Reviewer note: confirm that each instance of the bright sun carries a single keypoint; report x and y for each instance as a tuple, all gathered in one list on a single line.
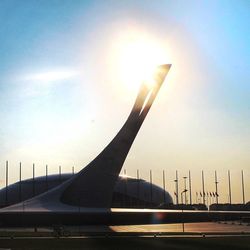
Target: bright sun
[(137, 58)]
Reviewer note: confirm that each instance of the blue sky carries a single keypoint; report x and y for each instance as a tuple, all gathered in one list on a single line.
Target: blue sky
[(61, 100)]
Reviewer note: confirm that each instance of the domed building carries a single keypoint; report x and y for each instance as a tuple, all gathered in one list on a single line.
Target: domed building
[(128, 193)]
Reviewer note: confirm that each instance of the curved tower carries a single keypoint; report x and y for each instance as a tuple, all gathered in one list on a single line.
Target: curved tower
[(105, 168), (93, 186)]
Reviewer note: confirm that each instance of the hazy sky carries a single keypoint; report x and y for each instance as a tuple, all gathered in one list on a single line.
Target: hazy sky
[(66, 86)]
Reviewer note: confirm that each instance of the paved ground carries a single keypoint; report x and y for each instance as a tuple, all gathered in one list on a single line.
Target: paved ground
[(168, 236), (131, 243), (209, 227)]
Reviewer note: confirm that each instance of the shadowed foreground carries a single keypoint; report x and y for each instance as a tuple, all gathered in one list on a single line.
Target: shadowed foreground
[(238, 242)]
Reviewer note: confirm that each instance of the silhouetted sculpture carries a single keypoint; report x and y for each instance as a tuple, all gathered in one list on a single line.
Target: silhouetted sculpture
[(93, 186)]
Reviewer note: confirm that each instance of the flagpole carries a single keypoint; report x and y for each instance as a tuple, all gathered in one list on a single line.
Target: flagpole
[(216, 187), (176, 187), (243, 188), (203, 187), (190, 188), (164, 187), (229, 188)]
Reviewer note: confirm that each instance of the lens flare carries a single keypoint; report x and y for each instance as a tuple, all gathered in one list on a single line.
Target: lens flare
[(137, 58)]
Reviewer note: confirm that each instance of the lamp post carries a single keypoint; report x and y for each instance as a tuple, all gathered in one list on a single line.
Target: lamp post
[(184, 191), (176, 187), (185, 187), (176, 195), (216, 187)]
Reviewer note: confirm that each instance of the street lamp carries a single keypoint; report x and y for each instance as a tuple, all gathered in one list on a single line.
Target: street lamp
[(176, 191), (185, 187), (184, 191)]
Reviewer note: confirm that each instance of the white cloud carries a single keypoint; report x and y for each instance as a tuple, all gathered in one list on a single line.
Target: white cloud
[(50, 76), (40, 83)]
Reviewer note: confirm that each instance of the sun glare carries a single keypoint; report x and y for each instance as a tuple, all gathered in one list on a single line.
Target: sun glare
[(138, 56)]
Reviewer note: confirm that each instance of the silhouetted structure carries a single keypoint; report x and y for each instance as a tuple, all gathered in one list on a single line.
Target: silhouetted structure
[(93, 186), (150, 195)]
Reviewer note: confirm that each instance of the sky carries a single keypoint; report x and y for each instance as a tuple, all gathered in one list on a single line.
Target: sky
[(69, 77)]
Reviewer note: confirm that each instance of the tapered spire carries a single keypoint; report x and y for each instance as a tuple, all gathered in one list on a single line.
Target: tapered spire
[(93, 186)]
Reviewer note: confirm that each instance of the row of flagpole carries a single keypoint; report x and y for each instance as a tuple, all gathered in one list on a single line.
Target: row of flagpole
[(203, 194), (33, 179), (200, 195)]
